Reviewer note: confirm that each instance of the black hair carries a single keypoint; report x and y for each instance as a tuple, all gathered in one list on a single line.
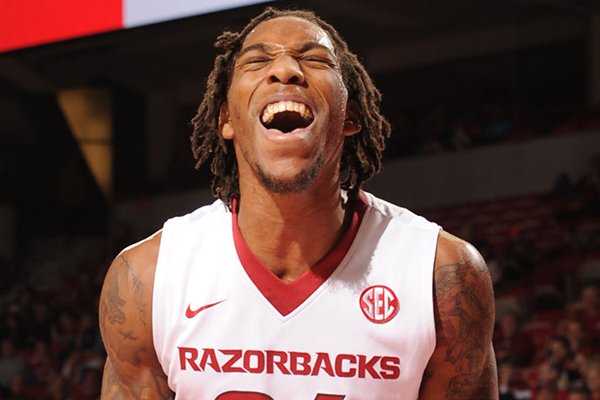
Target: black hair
[(362, 153)]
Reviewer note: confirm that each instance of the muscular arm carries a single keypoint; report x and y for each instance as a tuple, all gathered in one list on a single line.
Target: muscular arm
[(132, 370), (463, 365)]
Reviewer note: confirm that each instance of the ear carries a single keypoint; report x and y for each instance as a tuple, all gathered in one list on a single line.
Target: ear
[(225, 126), (352, 123)]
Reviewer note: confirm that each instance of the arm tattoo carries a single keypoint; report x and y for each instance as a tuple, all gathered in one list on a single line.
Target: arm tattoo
[(161, 385), (128, 335), (469, 348), (486, 380), (138, 291), (113, 305), (463, 317), (110, 382), (132, 370), (113, 310)]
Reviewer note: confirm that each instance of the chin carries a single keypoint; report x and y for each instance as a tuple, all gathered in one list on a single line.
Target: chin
[(290, 184)]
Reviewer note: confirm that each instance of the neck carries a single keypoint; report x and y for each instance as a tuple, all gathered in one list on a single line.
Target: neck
[(291, 232)]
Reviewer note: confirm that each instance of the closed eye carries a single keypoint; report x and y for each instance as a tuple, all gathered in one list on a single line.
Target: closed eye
[(253, 63), (257, 60), (318, 60)]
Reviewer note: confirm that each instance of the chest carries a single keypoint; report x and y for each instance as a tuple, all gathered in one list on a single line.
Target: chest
[(364, 332)]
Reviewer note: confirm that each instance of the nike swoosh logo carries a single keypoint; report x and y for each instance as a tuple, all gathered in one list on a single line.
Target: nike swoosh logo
[(192, 313)]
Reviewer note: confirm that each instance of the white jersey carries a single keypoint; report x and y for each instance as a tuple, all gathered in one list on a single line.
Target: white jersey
[(358, 325)]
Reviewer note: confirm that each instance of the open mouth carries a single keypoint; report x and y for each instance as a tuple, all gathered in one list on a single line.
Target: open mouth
[(286, 116)]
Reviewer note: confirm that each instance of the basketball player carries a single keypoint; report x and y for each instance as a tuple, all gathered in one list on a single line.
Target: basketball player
[(295, 283)]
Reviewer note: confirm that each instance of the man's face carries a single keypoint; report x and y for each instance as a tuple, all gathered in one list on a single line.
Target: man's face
[(593, 378), (286, 106)]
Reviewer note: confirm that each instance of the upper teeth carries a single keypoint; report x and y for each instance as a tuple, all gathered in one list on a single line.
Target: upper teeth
[(281, 106)]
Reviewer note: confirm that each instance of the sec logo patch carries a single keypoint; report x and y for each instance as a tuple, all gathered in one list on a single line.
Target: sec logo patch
[(379, 304)]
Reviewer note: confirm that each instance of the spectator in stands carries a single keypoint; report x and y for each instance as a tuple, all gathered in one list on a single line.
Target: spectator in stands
[(579, 340), (558, 351), (25, 300), (549, 392), (559, 355), (88, 334), (11, 362), (511, 384), (57, 388), (40, 364), (11, 326), (40, 323), (547, 374), (64, 334), (86, 355), (579, 394), (589, 301), (17, 389), (587, 310), (79, 363), (88, 387), (513, 343), (592, 379)]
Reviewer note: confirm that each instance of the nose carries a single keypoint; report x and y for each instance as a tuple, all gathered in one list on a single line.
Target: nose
[(286, 69)]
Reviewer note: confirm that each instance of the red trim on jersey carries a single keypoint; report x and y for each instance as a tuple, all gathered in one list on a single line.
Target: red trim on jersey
[(286, 297)]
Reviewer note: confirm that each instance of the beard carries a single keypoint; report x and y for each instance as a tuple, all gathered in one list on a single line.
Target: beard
[(294, 184)]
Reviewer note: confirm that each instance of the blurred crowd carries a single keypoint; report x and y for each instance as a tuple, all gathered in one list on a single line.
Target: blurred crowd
[(50, 345), (444, 127), (562, 364), (547, 281)]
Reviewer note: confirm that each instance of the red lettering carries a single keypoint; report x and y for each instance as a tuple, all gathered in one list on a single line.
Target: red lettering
[(190, 355), (390, 367), (236, 355), (366, 302), (277, 358), (259, 357), (339, 365), (365, 366), (379, 303), (299, 363), (209, 357), (289, 363), (322, 396), (323, 362)]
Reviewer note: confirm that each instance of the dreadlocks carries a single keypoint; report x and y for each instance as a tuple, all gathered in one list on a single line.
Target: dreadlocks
[(362, 153)]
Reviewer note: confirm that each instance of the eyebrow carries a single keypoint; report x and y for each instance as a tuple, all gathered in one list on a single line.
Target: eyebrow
[(268, 49)]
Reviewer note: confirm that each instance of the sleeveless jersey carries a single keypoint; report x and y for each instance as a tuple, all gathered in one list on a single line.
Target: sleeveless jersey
[(358, 325)]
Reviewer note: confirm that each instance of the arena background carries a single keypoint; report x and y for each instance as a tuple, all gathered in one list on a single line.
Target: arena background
[(495, 108)]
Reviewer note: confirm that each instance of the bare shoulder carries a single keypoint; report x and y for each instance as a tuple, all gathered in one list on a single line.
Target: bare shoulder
[(462, 287), (140, 258), (125, 318), (128, 283), (463, 363), (452, 250)]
